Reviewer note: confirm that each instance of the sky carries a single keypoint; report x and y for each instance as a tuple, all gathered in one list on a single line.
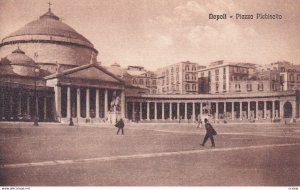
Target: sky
[(157, 33)]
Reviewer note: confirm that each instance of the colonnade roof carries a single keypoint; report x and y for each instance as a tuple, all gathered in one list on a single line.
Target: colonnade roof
[(213, 96)]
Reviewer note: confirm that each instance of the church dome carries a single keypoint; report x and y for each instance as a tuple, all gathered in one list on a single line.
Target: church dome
[(18, 63), (50, 25), (50, 41), (18, 57)]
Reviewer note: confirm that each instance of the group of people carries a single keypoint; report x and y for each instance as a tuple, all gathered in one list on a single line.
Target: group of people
[(210, 131)]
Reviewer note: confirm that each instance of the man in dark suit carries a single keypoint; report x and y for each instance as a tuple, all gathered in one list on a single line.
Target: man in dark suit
[(210, 132), (120, 124)]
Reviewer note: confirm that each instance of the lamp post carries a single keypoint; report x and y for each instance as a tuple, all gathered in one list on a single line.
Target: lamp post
[(36, 70)]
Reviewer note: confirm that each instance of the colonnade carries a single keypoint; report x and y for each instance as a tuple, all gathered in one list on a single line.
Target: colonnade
[(225, 110), (20, 104)]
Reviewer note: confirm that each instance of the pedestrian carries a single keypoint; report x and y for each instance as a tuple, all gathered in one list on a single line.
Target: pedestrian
[(210, 132), (199, 123), (120, 124)]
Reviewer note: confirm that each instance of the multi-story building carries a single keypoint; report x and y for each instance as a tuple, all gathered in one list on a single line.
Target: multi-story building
[(179, 78), (223, 77), (289, 74), (143, 78)]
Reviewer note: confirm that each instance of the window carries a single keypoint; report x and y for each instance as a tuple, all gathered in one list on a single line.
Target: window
[(298, 77), (167, 80), (249, 87), (147, 82), (274, 86), (224, 70), (292, 77), (187, 68), (134, 81), (141, 82), (187, 87), (177, 69), (194, 86), (224, 87), (237, 87), (153, 82), (260, 87), (217, 87), (172, 69), (217, 77), (187, 77)]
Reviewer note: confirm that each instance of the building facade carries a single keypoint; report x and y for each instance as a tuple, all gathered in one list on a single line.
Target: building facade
[(179, 78)]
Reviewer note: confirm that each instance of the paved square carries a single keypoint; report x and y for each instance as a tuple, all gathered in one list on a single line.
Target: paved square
[(149, 154)]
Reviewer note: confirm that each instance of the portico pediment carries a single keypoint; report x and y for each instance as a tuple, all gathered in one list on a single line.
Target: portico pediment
[(90, 72)]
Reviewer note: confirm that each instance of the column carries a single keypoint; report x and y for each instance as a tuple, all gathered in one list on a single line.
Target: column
[(2, 103), (201, 110), (217, 110), (193, 113), (78, 103), (155, 110), (171, 111), (11, 106), (45, 107), (19, 103), (249, 109), (148, 111), (178, 112), (28, 105), (265, 109), (256, 107), (241, 110), (232, 110), (185, 111), (105, 102), (97, 103), (141, 111), (225, 113), (123, 103), (163, 111), (281, 103), (68, 102), (87, 98), (294, 108), (57, 90), (273, 109), (133, 111)]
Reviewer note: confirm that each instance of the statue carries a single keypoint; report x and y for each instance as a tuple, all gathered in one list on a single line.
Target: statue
[(115, 104)]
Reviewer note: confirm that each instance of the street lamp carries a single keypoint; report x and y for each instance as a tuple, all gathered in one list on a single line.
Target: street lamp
[(36, 70)]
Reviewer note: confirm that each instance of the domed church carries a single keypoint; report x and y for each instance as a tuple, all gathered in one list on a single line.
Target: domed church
[(50, 72)]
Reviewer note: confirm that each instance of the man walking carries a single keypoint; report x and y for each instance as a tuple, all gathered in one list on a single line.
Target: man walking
[(120, 124), (210, 132)]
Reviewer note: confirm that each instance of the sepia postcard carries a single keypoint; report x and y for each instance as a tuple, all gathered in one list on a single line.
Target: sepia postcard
[(149, 93)]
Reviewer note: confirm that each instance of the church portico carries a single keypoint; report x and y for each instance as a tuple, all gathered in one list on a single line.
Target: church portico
[(87, 94)]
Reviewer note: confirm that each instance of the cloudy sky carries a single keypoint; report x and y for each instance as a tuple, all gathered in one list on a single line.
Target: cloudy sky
[(155, 33)]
